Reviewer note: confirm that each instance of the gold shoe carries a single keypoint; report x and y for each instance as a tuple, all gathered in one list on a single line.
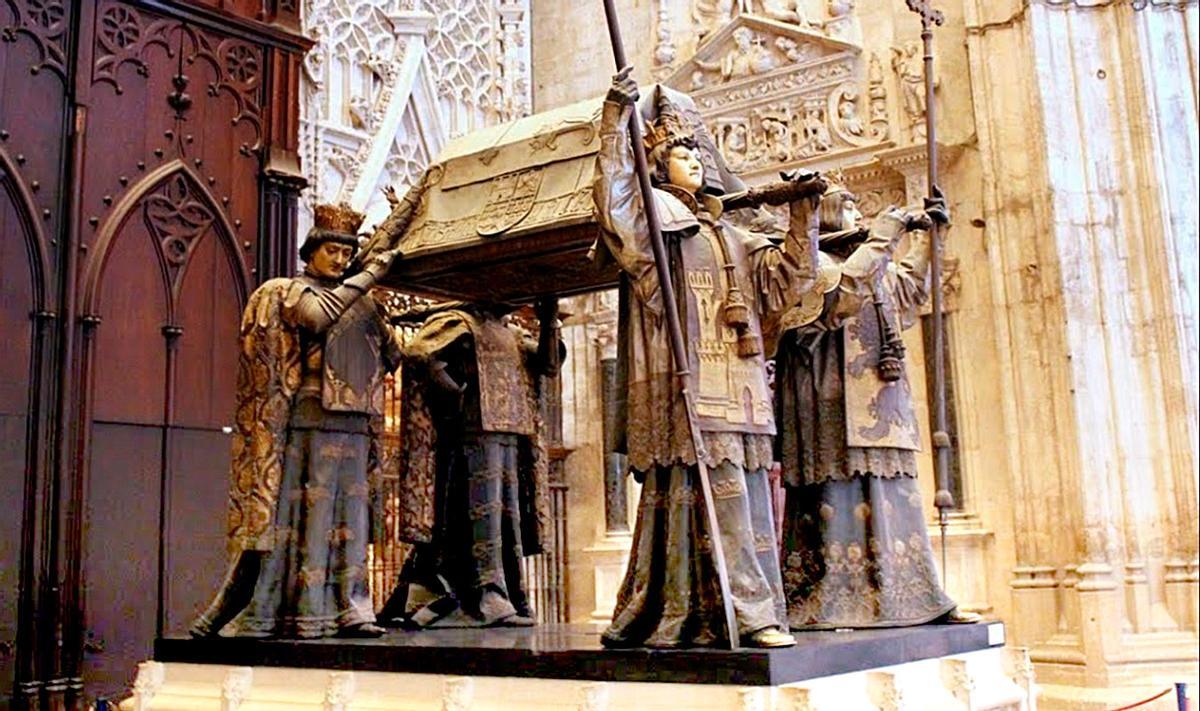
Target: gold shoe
[(960, 617), (771, 637)]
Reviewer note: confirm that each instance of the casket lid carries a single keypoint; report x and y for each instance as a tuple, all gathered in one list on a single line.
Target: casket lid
[(509, 212)]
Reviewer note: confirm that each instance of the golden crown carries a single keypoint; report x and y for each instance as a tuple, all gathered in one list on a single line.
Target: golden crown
[(835, 181), (664, 129), (338, 218)]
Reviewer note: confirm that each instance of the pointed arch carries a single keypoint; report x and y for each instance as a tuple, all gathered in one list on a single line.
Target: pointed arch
[(35, 234), (170, 194)]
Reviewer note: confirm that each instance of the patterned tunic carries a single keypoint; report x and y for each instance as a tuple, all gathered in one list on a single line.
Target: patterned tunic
[(856, 552), (669, 596)]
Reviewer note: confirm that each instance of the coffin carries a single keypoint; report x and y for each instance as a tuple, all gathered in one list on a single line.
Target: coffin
[(508, 215)]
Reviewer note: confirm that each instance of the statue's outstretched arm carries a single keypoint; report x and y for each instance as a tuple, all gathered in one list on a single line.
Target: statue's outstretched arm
[(618, 204), (316, 311)]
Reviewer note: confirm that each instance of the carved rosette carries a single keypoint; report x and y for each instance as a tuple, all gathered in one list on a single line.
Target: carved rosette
[(233, 67), (177, 219)]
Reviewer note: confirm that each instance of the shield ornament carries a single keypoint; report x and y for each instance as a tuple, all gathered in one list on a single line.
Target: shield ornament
[(510, 200)]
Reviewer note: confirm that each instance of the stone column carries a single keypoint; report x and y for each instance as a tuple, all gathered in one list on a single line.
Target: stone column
[(599, 543), (616, 496), (1087, 135)]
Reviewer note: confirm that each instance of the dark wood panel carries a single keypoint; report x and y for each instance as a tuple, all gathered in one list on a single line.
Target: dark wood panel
[(130, 360), (17, 298), (151, 149), (16, 305), (196, 505), (198, 96), (121, 551), (209, 311), (12, 476)]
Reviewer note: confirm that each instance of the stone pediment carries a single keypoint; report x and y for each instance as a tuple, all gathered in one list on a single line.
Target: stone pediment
[(752, 50), (775, 95)]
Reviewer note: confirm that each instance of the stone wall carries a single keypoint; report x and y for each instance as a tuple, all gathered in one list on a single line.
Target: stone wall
[(1068, 135)]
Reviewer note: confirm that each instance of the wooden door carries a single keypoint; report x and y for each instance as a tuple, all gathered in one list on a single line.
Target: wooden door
[(172, 200), (33, 115), (147, 164)]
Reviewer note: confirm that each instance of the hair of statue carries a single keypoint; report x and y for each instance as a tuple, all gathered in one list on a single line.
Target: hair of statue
[(830, 211), (660, 157), (317, 237)]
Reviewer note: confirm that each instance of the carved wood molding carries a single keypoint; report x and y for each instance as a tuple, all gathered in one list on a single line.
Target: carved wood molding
[(44, 22), (36, 239), (124, 35), (178, 211)]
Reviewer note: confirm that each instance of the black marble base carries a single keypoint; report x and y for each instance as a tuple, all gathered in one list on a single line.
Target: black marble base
[(574, 652)]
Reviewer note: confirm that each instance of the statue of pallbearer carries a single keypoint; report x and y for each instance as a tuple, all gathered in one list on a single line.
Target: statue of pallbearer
[(314, 350), (473, 466), (856, 549), (728, 282)]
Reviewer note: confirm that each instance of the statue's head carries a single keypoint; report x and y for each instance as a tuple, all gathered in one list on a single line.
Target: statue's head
[(677, 162), (333, 240), (742, 36), (839, 210), (674, 153)]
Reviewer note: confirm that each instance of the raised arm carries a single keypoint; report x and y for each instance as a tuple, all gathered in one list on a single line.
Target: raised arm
[(316, 311), (865, 265), (782, 275), (908, 281), (617, 196)]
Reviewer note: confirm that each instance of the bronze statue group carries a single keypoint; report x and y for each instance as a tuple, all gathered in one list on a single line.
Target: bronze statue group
[(823, 298)]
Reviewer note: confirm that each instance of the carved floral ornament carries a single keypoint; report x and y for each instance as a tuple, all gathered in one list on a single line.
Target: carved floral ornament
[(43, 22), (234, 66)]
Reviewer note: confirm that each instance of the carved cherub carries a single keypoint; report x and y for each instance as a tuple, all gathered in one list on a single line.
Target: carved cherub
[(848, 119), (709, 15), (816, 133)]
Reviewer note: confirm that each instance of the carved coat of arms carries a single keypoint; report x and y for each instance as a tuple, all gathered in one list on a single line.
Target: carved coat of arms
[(509, 201)]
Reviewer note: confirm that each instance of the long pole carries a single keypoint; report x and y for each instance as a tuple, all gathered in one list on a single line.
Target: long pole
[(678, 349), (943, 499)]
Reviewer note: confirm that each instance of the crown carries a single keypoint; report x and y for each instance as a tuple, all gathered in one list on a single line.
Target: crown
[(835, 181), (663, 129), (669, 124), (338, 218)]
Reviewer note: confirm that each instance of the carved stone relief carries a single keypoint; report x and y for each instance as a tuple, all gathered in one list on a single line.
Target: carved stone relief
[(909, 64), (369, 121), (774, 94)]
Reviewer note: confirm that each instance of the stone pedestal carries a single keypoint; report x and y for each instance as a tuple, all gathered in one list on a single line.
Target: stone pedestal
[(608, 559), (932, 668)]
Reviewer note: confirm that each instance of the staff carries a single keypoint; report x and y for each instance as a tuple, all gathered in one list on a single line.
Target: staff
[(943, 499), (678, 350)]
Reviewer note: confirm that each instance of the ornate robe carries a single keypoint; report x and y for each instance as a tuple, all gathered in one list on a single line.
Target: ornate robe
[(856, 552), (669, 597), (310, 383), (474, 495)]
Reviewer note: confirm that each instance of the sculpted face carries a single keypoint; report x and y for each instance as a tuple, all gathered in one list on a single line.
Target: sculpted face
[(741, 38), (684, 169), (330, 260), (850, 215)]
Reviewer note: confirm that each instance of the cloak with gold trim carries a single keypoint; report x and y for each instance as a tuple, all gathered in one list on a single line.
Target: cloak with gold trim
[(509, 402)]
